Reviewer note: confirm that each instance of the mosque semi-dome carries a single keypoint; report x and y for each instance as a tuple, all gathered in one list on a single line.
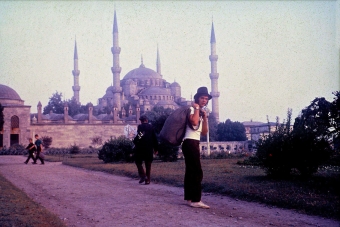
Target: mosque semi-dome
[(9, 96), (175, 84), (154, 91), (142, 73)]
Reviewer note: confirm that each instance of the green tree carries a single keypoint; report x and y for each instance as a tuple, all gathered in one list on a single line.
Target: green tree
[(315, 118), (335, 121), (2, 117), (305, 148), (231, 131), (157, 117), (75, 108), (55, 104)]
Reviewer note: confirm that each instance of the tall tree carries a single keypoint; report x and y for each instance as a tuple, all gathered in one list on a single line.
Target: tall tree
[(231, 131), (335, 120), (2, 117), (315, 118), (75, 108), (56, 105), (157, 117)]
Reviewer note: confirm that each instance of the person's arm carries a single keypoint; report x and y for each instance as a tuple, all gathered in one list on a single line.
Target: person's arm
[(194, 118), (205, 124), (31, 147)]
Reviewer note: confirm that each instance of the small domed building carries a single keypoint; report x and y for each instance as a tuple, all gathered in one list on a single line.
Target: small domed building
[(16, 118)]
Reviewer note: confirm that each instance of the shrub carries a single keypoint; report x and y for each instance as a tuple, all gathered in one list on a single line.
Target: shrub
[(74, 149), (15, 149), (310, 152), (96, 141), (64, 151), (285, 150), (274, 154), (117, 149), (47, 141), (167, 152)]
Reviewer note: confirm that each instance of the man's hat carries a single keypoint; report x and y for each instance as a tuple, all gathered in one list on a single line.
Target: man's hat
[(143, 118), (202, 91)]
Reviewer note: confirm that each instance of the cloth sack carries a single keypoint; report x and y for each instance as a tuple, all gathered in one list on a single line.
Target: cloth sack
[(173, 130)]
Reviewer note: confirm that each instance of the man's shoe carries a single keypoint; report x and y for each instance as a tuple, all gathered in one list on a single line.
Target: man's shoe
[(34, 163), (147, 181), (189, 202), (141, 181), (199, 205)]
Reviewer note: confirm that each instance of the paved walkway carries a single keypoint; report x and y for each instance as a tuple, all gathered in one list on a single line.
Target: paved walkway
[(88, 198)]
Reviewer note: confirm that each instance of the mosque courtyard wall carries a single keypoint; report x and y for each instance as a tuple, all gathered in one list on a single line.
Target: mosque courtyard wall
[(65, 135)]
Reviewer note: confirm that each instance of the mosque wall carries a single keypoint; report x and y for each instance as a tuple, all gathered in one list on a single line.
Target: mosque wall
[(65, 135)]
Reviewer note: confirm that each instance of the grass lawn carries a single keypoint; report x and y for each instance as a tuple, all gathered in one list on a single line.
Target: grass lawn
[(17, 209), (317, 195)]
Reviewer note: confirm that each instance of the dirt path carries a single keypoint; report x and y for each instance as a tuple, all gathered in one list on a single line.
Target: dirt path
[(88, 198)]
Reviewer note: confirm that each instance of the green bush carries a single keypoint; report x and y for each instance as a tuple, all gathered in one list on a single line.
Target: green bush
[(117, 149), (283, 151), (68, 150), (47, 141), (167, 152), (274, 154), (310, 152), (74, 149), (16, 149)]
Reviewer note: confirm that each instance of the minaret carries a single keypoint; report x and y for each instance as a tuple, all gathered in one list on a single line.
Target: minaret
[(158, 63), (214, 75), (116, 69), (75, 72)]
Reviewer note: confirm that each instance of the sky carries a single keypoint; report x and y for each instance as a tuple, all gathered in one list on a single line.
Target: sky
[(272, 55)]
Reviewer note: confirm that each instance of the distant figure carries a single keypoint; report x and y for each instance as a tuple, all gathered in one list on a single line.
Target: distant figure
[(145, 145), (38, 144), (191, 151), (31, 148)]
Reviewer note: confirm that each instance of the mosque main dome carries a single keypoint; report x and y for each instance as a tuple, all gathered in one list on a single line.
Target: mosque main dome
[(142, 73)]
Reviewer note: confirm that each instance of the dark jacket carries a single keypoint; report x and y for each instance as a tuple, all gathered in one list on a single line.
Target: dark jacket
[(30, 145), (147, 143)]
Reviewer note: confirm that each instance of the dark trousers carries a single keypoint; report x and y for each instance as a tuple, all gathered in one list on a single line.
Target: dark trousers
[(38, 157), (141, 172), (193, 170), (30, 155)]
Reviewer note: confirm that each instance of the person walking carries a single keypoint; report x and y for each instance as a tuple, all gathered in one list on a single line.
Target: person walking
[(31, 148), (191, 151), (38, 144), (145, 145)]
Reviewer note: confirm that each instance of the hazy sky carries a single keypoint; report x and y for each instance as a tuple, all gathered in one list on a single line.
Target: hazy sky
[(272, 55)]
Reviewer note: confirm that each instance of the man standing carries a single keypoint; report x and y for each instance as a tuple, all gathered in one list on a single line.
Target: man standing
[(38, 144), (145, 145), (191, 151)]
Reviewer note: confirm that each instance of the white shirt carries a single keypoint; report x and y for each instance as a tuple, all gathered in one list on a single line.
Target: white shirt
[(192, 134)]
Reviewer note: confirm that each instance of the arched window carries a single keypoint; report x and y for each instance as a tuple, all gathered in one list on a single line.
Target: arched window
[(14, 122)]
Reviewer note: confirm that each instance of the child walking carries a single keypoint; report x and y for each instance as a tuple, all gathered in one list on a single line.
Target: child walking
[(31, 149)]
